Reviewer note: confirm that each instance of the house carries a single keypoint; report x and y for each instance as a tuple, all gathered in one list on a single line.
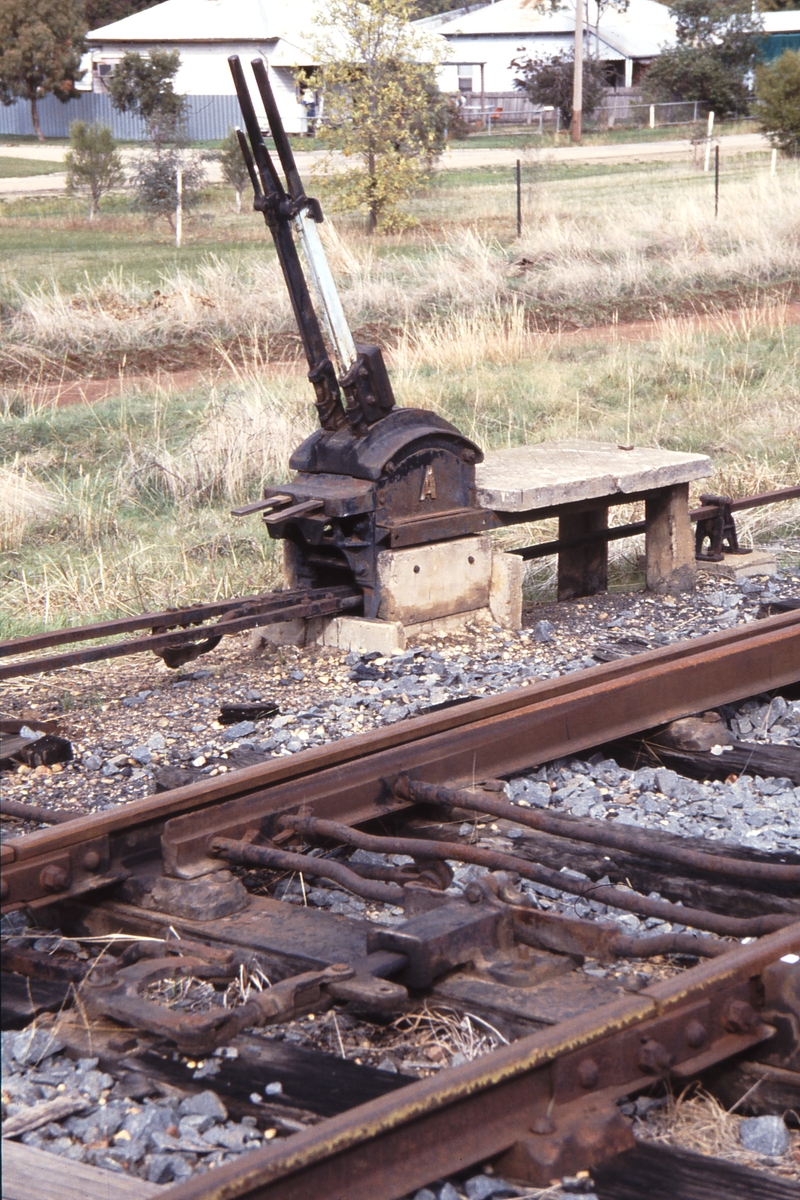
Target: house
[(782, 30), (205, 32), (483, 41)]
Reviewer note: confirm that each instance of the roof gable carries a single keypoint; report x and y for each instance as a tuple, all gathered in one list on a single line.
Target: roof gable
[(211, 21)]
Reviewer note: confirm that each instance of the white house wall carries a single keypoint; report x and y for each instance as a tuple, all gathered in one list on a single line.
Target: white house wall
[(204, 71), (497, 52)]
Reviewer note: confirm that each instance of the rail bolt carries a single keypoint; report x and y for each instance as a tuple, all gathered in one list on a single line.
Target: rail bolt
[(695, 1034), (588, 1073), (4, 889), (739, 1017), (53, 878), (653, 1057), (91, 860)]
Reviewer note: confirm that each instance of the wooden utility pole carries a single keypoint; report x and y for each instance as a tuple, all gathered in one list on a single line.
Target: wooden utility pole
[(577, 74)]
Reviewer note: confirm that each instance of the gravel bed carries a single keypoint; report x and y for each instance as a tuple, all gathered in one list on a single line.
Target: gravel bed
[(161, 1140), (128, 719)]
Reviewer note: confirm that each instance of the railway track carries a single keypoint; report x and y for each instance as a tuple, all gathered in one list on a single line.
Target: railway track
[(152, 872)]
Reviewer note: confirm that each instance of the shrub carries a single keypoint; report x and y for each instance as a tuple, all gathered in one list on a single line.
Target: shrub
[(778, 91)]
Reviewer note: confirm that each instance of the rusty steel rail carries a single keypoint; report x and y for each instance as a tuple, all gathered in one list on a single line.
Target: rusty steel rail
[(618, 532), (351, 781), (184, 628), (554, 1084)]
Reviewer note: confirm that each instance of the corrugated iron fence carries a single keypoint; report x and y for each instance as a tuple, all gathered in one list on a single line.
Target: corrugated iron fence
[(207, 117)]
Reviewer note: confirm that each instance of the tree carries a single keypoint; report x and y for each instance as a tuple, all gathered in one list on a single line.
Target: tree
[(716, 51), (156, 181), (382, 106), (93, 163), (600, 7), (778, 104), (548, 81), (103, 12), (234, 172), (41, 42), (146, 86)]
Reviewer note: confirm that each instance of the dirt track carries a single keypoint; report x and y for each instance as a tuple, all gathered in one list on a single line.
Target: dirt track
[(92, 391)]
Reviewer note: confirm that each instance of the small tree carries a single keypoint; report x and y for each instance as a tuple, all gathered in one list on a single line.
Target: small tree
[(778, 105), (382, 107), (146, 86), (41, 42), (234, 172), (156, 182), (548, 81), (93, 163), (716, 51), (103, 12)]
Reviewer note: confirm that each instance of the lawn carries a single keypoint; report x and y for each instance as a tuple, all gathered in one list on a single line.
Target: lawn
[(16, 168), (124, 505)]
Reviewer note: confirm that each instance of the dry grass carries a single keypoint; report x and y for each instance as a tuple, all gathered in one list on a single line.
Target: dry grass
[(124, 505), (632, 243), (696, 1121)]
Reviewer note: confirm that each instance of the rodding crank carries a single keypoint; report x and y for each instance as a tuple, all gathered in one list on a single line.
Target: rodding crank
[(374, 476)]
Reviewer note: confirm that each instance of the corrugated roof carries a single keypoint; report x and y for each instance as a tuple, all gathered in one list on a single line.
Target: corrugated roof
[(787, 21), (639, 32), (212, 21)]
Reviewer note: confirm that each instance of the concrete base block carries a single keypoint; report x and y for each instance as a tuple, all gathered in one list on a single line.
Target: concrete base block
[(422, 583), (287, 633), (363, 636), (451, 624), (505, 596), (742, 566)]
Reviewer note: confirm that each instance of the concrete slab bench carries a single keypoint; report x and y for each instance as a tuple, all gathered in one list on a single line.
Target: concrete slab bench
[(578, 481)]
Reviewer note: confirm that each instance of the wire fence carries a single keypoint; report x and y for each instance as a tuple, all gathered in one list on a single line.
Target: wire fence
[(495, 110)]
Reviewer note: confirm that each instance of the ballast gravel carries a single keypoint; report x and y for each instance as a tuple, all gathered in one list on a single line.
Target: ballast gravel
[(129, 719)]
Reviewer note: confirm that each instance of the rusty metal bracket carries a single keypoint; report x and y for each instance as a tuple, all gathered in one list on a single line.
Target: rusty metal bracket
[(719, 530), (118, 994)]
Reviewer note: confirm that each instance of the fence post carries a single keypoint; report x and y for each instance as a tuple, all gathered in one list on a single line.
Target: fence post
[(709, 132), (652, 116), (694, 115), (716, 181), (773, 166), (541, 121), (179, 207), (519, 199)]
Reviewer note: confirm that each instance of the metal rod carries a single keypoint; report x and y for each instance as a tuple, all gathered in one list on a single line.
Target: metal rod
[(304, 222), (321, 868), (34, 812), (617, 532), (598, 833), (272, 202), (325, 605), (497, 860), (167, 618)]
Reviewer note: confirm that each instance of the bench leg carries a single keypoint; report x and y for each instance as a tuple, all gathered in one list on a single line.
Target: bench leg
[(582, 571), (669, 543)]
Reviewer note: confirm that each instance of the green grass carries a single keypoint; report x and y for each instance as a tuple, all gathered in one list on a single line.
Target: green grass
[(16, 168), (122, 536)]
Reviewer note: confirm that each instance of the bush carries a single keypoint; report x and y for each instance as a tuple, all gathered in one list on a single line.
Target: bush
[(234, 171), (156, 182), (93, 163), (778, 91), (548, 81), (715, 53)]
